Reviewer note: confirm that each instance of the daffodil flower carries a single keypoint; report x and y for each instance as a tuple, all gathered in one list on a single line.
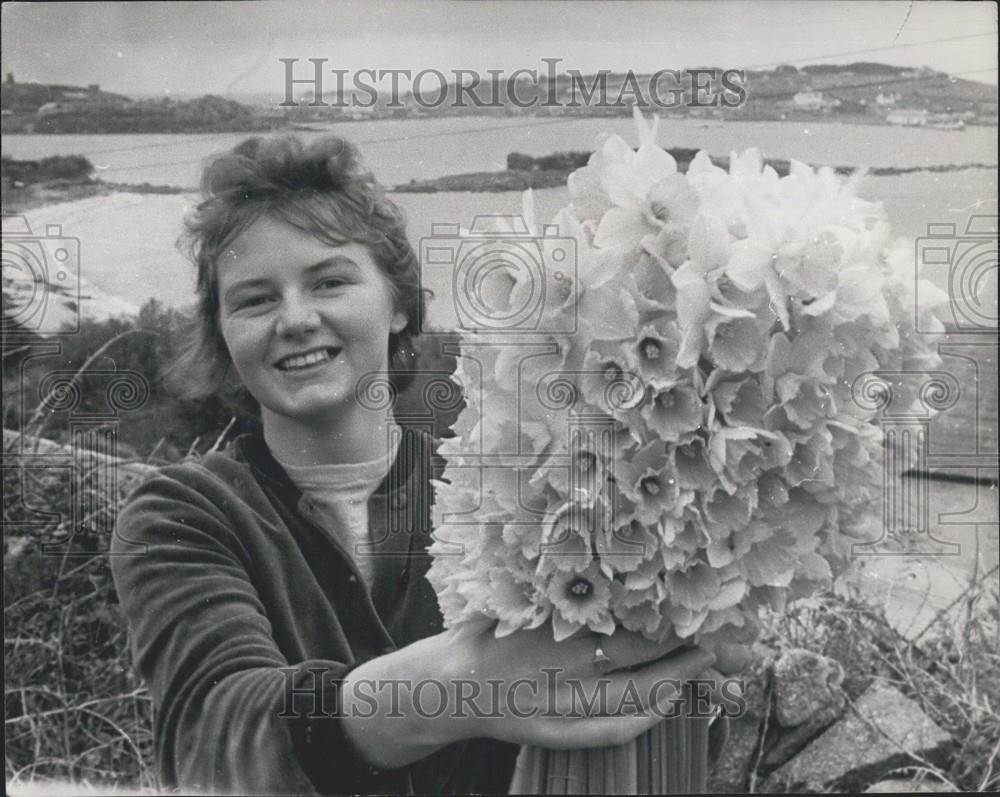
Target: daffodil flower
[(580, 599)]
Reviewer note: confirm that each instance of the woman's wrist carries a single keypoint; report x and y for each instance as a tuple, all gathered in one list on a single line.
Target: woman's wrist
[(401, 707)]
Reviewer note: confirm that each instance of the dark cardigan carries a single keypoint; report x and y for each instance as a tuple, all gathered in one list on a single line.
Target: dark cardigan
[(245, 613)]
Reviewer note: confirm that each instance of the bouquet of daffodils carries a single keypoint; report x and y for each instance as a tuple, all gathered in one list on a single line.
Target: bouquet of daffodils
[(683, 436)]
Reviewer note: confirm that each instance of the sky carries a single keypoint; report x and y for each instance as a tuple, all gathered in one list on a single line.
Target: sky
[(154, 48)]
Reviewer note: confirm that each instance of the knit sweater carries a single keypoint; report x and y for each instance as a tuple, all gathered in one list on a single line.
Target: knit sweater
[(245, 614)]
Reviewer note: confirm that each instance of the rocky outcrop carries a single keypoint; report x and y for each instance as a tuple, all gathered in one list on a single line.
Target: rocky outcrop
[(807, 689), (799, 731), (883, 730)]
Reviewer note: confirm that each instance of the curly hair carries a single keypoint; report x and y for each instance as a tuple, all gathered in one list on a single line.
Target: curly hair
[(320, 188)]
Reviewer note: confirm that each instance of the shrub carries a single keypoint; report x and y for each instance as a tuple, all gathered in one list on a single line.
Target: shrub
[(75, 168)]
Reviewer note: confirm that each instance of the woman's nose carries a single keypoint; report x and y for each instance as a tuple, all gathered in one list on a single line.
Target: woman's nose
[(296, 316)]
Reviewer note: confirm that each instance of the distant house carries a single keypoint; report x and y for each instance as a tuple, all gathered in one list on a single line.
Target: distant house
[(910, 117), (946, 121), (808, 100), (921, 72), (886, 100), (53, 108), (814, 101)]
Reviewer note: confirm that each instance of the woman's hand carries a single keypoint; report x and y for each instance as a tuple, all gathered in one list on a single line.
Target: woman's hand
[(569, 699), (525, 688)]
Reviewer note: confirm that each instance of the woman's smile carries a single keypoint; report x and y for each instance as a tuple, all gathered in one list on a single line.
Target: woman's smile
[(309, 360)]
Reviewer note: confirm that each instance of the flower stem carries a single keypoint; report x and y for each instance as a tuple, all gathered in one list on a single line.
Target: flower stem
[(576, 781), (642, 761), (699, 755), (595, 770), (669, 758)]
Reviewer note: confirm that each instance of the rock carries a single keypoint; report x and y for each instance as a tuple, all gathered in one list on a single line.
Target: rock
[(883, 731), (807, 689), (787, 742), (732, 768), (807, 699)]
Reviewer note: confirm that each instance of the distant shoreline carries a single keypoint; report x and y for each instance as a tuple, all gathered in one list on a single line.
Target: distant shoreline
[(537, 178), (37, 195), (326, 125), (291, 128), (534, 173)]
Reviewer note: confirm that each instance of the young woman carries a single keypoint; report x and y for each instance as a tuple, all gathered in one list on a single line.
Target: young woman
[(275, 591)]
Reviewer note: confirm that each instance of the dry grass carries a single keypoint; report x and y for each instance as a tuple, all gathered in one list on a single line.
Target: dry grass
[(73, 708)]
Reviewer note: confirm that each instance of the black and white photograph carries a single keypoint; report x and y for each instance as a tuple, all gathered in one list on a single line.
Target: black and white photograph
[(541, 397)]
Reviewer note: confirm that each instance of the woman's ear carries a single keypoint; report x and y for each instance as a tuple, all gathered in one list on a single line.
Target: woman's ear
[(398, 323)]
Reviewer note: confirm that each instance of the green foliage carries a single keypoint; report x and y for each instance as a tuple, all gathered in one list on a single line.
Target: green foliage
[(75, 168), (557, 161), (144, 346)]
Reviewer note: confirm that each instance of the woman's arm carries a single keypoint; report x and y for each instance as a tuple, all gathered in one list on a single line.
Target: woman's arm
[(225, 719)]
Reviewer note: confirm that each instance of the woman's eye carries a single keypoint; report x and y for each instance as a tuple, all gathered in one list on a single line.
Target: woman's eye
[(330, 282), (252, 301)]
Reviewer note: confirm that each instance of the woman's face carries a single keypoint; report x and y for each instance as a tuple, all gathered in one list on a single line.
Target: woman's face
[(303, 320)]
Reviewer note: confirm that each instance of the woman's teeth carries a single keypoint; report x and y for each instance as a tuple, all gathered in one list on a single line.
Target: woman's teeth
[(304, 360)]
